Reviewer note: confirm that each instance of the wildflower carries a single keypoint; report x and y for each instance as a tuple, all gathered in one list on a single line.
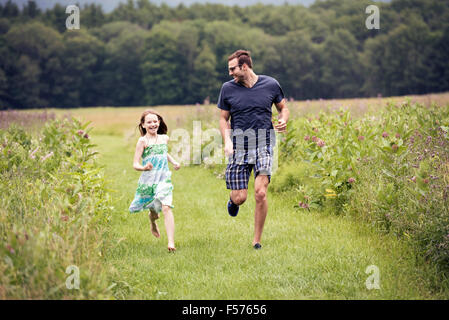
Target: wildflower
[(32, 156), (86, 136), (10, 249), (307, 138), (303, 205), (351, 180), (413, 179), (398, 135), (320, 143), (429, 139), (64, 218), (80, 132), (384, 134), (426, 181), (361, 138), (314, 139), (394, 147), (46, 156)]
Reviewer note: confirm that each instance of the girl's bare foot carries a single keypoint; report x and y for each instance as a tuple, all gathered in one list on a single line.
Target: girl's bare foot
[(171, 248), (154, 229)]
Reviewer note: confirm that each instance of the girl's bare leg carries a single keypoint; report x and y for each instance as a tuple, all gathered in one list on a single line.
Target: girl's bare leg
[(169, 227), (154, 229)]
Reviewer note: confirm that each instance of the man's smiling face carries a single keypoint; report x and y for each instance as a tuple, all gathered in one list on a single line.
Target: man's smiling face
[(235, 70)]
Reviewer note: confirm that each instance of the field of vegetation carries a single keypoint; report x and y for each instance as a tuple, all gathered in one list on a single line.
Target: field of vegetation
[(360, 183)]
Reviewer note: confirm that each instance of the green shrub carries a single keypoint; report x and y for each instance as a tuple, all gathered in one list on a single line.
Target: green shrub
[(54, 211), (389, 168)]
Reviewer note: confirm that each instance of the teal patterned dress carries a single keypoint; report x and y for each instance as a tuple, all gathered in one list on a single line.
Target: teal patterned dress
[(154, 188)]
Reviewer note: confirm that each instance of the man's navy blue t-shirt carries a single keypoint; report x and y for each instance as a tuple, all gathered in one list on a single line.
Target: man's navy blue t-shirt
[(250, 108)]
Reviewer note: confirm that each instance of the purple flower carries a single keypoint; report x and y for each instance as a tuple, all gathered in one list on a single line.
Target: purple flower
[(320, 143), (86, 136), (307, 138), (10, 249), (46, 156), (351, 180), (413, 179), (303, 205), (361, 138), (398, 135), (80, 132), (384, 134), (32, 156)]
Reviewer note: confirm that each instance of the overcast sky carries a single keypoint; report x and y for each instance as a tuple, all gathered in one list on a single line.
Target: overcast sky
[(109, 5)]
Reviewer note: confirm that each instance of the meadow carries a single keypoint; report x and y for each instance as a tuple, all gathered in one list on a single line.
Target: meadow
[(323, 233)]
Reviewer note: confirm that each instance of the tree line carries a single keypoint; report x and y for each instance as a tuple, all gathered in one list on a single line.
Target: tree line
[(147, 54)]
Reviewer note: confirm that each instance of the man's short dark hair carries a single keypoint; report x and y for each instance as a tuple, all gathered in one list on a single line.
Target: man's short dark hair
[(243, 56)]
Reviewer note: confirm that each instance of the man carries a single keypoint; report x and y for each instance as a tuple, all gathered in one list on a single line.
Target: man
[(247, 100)]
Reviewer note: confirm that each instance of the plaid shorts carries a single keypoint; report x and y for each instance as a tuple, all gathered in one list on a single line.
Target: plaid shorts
[(242, 162)]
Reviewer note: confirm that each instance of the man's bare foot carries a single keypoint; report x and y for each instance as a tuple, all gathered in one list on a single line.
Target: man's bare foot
[(154, 229)]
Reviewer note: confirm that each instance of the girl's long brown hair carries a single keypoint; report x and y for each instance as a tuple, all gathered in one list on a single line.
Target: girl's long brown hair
[(162, 126)]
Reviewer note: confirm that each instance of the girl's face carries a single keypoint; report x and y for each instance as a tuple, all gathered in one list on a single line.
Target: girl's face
[(151, 123)]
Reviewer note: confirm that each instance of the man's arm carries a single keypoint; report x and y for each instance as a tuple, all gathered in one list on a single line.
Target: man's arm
[(283, 116), (225, 129)]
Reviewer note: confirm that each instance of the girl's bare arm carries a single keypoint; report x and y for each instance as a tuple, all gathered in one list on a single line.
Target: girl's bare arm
[(138, 155)]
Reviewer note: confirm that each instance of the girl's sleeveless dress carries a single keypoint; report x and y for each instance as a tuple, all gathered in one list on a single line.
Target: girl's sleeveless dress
[(154, 187)]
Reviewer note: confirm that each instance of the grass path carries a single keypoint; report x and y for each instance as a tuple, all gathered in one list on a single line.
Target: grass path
[(305, 255)]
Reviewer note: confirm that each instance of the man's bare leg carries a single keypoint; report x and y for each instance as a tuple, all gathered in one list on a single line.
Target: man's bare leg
[(260, 186), (239, 196)]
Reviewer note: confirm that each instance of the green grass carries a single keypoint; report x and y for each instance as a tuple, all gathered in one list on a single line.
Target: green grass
[(305, 255)]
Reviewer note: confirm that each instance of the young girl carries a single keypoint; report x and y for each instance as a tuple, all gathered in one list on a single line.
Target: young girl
[(154, 191)]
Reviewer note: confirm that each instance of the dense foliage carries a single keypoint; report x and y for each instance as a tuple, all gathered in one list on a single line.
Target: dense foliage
[(144, 54), (389, 168), (54, 211)]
